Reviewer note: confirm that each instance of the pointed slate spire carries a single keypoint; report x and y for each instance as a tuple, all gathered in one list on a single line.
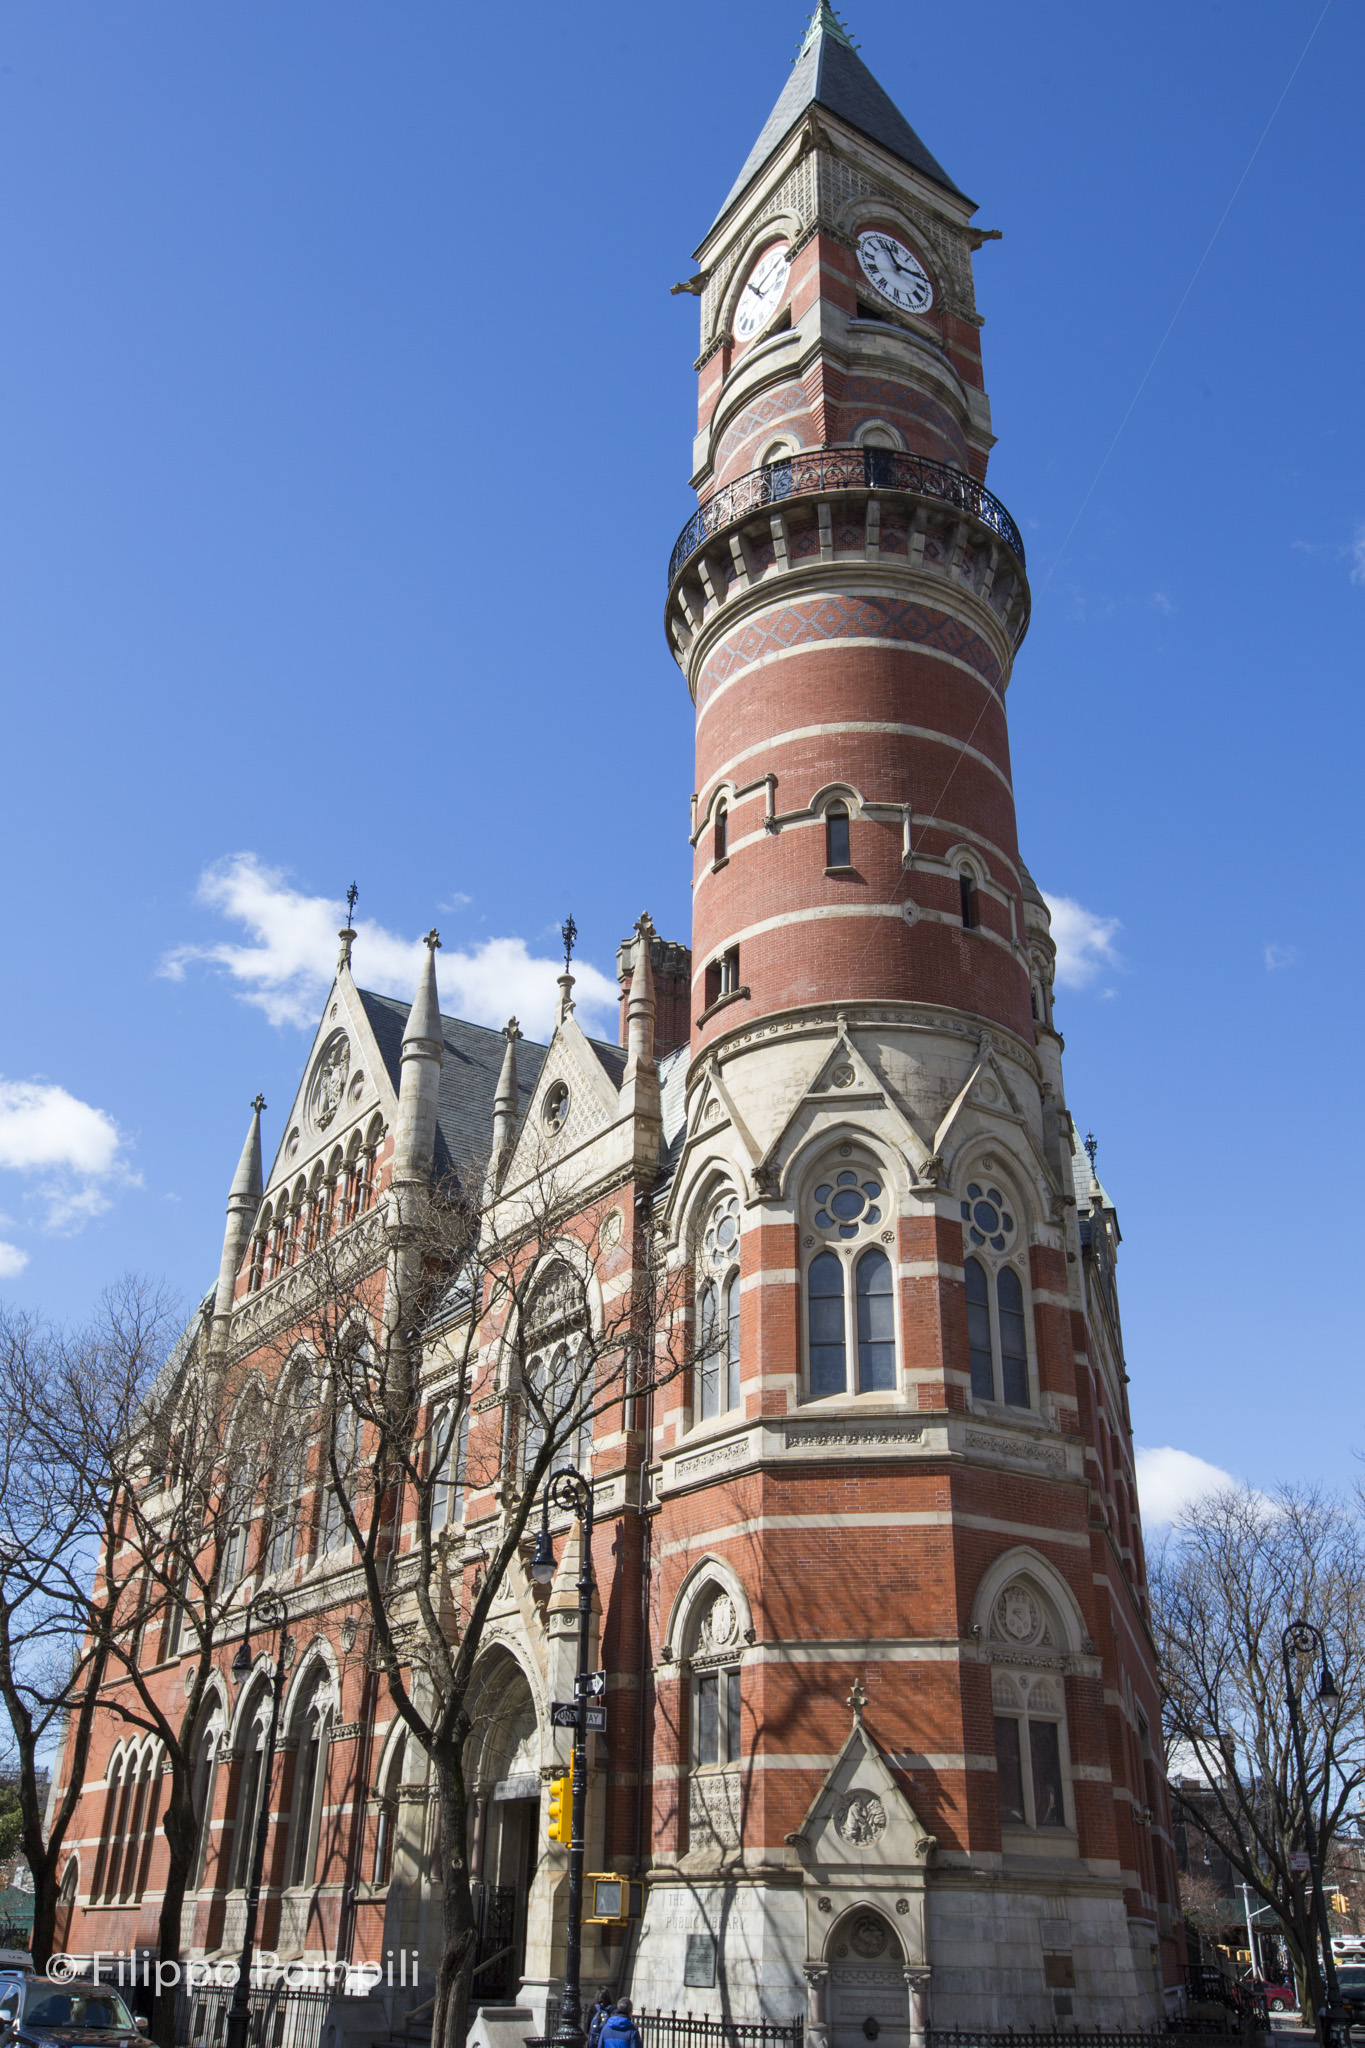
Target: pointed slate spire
[(829, 73), (506, 1105), (423, 1053), (244, 1199)]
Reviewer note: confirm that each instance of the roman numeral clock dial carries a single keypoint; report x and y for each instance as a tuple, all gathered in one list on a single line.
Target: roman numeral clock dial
[(895, 272), (762, 295)]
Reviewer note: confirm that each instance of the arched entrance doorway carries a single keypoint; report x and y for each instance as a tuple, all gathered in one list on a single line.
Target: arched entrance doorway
[(505, 1772), (868, 1994)]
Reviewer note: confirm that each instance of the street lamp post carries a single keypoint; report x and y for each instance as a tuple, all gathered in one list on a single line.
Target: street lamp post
[(1302, 1639), (570, 1490), (270, 1614)]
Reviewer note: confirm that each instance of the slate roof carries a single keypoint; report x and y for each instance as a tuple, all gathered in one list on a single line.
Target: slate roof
[(469, 1076), (830, 73)]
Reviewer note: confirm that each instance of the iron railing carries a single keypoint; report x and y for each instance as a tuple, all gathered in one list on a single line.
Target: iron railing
[(281, 2017), (843, 469), (700, 2030), (1167, 2035)]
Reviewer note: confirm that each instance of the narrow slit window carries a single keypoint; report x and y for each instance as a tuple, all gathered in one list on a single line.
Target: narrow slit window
[(876, 1324), (708, 1718), (732, 1341), (729, 971), (836, 837), (979, 1331), (967, 886), (708, 1342), (1013, 1344), (721, 833), (825, 1300)]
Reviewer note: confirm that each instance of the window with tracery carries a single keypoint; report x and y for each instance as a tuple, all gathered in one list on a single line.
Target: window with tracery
[(1030, 1716), (997, 1318), (716, 1389), (310, 1779), (850, 1286)]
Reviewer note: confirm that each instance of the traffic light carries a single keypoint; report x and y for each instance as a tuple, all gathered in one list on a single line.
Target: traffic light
[(1340, 1903), (560, 1827)]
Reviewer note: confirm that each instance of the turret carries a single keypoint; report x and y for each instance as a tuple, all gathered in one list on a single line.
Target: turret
[(423, 1054), (640, 1082), (244, 1199), (506, 1103)]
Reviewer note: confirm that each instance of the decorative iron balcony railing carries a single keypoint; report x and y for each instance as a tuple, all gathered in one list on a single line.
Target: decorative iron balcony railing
[(823, 470)]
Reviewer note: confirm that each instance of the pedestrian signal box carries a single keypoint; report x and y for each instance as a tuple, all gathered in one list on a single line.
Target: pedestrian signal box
[(560, 1825), (614, 1900)]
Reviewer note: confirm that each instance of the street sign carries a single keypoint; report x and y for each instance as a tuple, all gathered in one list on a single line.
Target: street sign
[(593, 1685), (1298, 1860), (564, 1714)]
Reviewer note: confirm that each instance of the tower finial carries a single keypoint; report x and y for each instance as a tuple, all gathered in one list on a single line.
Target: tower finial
[(824, 21), (347, 932), (857, 1699), (568, 931), (351, 895), (1092, 1146)]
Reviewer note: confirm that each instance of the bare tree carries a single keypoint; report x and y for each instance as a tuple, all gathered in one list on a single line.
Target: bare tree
[(497, 1309), (1235, 1572), (58, 1522)]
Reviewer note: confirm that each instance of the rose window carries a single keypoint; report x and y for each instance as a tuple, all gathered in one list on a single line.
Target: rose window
[(986, 1219), (847, 1204), (722, 1231)]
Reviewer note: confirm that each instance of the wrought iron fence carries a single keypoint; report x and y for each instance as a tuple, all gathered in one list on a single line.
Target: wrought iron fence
[(702, 2030), (1171, 2033), (843, 469), (281, 2017)]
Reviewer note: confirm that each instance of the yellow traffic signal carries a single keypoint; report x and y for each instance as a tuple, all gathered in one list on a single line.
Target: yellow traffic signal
[(560, 1827), (1340, 1903)]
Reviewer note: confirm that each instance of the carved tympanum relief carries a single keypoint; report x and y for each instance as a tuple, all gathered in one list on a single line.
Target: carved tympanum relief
[(329, 1081)]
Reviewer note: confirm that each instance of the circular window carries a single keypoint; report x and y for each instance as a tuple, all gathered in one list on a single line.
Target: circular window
[(556, 1107), (986, 1218), (722, 1231), (847, 1203)]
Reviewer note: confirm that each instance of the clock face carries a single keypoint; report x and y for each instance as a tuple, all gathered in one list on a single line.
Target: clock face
[(762, 295), (896, 274)]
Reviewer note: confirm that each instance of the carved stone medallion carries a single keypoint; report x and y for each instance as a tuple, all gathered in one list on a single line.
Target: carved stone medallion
[(861, 1819), (867, 1936)]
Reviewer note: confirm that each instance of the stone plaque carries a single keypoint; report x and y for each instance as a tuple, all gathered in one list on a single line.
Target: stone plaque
[(699, 1965)]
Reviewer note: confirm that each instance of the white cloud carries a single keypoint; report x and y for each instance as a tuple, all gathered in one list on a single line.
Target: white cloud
[(12, 1261), (286, 962), (1084, 942), (1170, 1481), (46, 1130), (1161, 603), (1277, 957)]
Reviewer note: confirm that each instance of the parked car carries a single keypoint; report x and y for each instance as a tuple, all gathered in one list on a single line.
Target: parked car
[(1278, 1997), (39, 2014), (1351, 1982)]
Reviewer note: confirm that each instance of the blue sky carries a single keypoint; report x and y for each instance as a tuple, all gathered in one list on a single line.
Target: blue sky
[(345, 424)]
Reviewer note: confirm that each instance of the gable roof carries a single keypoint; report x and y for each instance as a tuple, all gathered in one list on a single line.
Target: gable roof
[(469, 1076), (830, 73)]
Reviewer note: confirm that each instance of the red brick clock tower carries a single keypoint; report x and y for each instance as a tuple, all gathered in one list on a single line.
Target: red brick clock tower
[(905, 1770)]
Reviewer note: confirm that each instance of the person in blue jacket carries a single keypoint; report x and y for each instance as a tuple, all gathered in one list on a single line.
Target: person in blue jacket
[(598, 2017), (620, 2030)]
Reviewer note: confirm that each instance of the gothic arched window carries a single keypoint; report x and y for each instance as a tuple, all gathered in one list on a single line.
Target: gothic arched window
[(310, 1778), (997, 1316), (850, 1287), (1030, 1715), (716, 1387), (720, 833)]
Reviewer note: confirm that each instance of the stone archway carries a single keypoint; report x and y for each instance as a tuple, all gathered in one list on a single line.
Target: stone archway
[(867, 1993), (507, 1834)]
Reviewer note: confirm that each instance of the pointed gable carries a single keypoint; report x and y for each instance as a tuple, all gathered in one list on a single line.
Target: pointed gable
[(829, 73)]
